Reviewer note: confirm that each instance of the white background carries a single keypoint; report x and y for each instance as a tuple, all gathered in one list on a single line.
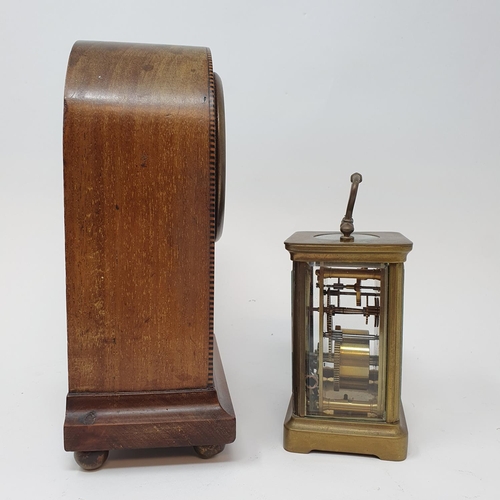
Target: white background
[(408, 94)]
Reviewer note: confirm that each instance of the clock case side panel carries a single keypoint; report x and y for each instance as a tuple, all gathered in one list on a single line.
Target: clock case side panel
[(139, 175)]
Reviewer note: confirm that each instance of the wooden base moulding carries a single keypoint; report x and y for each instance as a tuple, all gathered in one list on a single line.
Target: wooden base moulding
[(115, 421)]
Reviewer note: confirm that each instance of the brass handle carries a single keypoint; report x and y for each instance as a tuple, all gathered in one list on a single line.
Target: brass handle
[(347, 226)]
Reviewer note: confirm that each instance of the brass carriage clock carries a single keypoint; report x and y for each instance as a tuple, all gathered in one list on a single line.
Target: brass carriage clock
[(347, 341), (144, 170)]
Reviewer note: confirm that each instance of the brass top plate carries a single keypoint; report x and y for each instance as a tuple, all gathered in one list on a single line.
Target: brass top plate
[(367, 247)]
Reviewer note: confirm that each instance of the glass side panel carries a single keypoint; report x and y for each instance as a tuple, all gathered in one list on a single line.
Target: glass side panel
[(345, 342)]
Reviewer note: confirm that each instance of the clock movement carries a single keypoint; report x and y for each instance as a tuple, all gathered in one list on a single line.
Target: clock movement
[(144, 170), (347, 341)]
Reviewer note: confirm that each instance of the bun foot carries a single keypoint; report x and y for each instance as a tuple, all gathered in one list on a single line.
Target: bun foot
[(90, 460), (208, 451)]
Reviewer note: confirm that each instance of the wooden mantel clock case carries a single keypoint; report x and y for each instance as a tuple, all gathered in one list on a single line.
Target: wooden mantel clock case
[(144, 166), (347, 341)]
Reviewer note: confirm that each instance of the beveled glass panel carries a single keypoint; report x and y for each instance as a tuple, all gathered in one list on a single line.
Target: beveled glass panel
[(345, 342)]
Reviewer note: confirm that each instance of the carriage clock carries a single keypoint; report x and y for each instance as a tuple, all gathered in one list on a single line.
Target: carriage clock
[(144, 167), (347, 341)]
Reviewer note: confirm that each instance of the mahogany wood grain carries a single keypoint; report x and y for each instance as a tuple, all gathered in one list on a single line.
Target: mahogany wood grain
[(139, 209)]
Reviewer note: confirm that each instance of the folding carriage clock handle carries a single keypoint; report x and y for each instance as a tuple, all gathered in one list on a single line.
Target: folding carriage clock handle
[(347, 226)]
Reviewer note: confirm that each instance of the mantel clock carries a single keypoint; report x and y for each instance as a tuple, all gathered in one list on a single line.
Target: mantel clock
[(347, 341), (144, 167)]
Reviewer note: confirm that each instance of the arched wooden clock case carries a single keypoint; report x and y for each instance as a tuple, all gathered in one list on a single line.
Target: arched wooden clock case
[(144, 166)]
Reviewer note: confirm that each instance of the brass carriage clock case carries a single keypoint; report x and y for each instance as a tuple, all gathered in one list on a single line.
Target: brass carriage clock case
[(347, 341), (144, 163)]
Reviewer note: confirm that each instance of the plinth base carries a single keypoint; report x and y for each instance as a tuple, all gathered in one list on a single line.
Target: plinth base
[(383, 440), (203, 418)]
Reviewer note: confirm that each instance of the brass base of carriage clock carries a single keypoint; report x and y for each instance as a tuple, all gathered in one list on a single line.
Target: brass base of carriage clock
[(144, 167), (347, 341), (383, 440)]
